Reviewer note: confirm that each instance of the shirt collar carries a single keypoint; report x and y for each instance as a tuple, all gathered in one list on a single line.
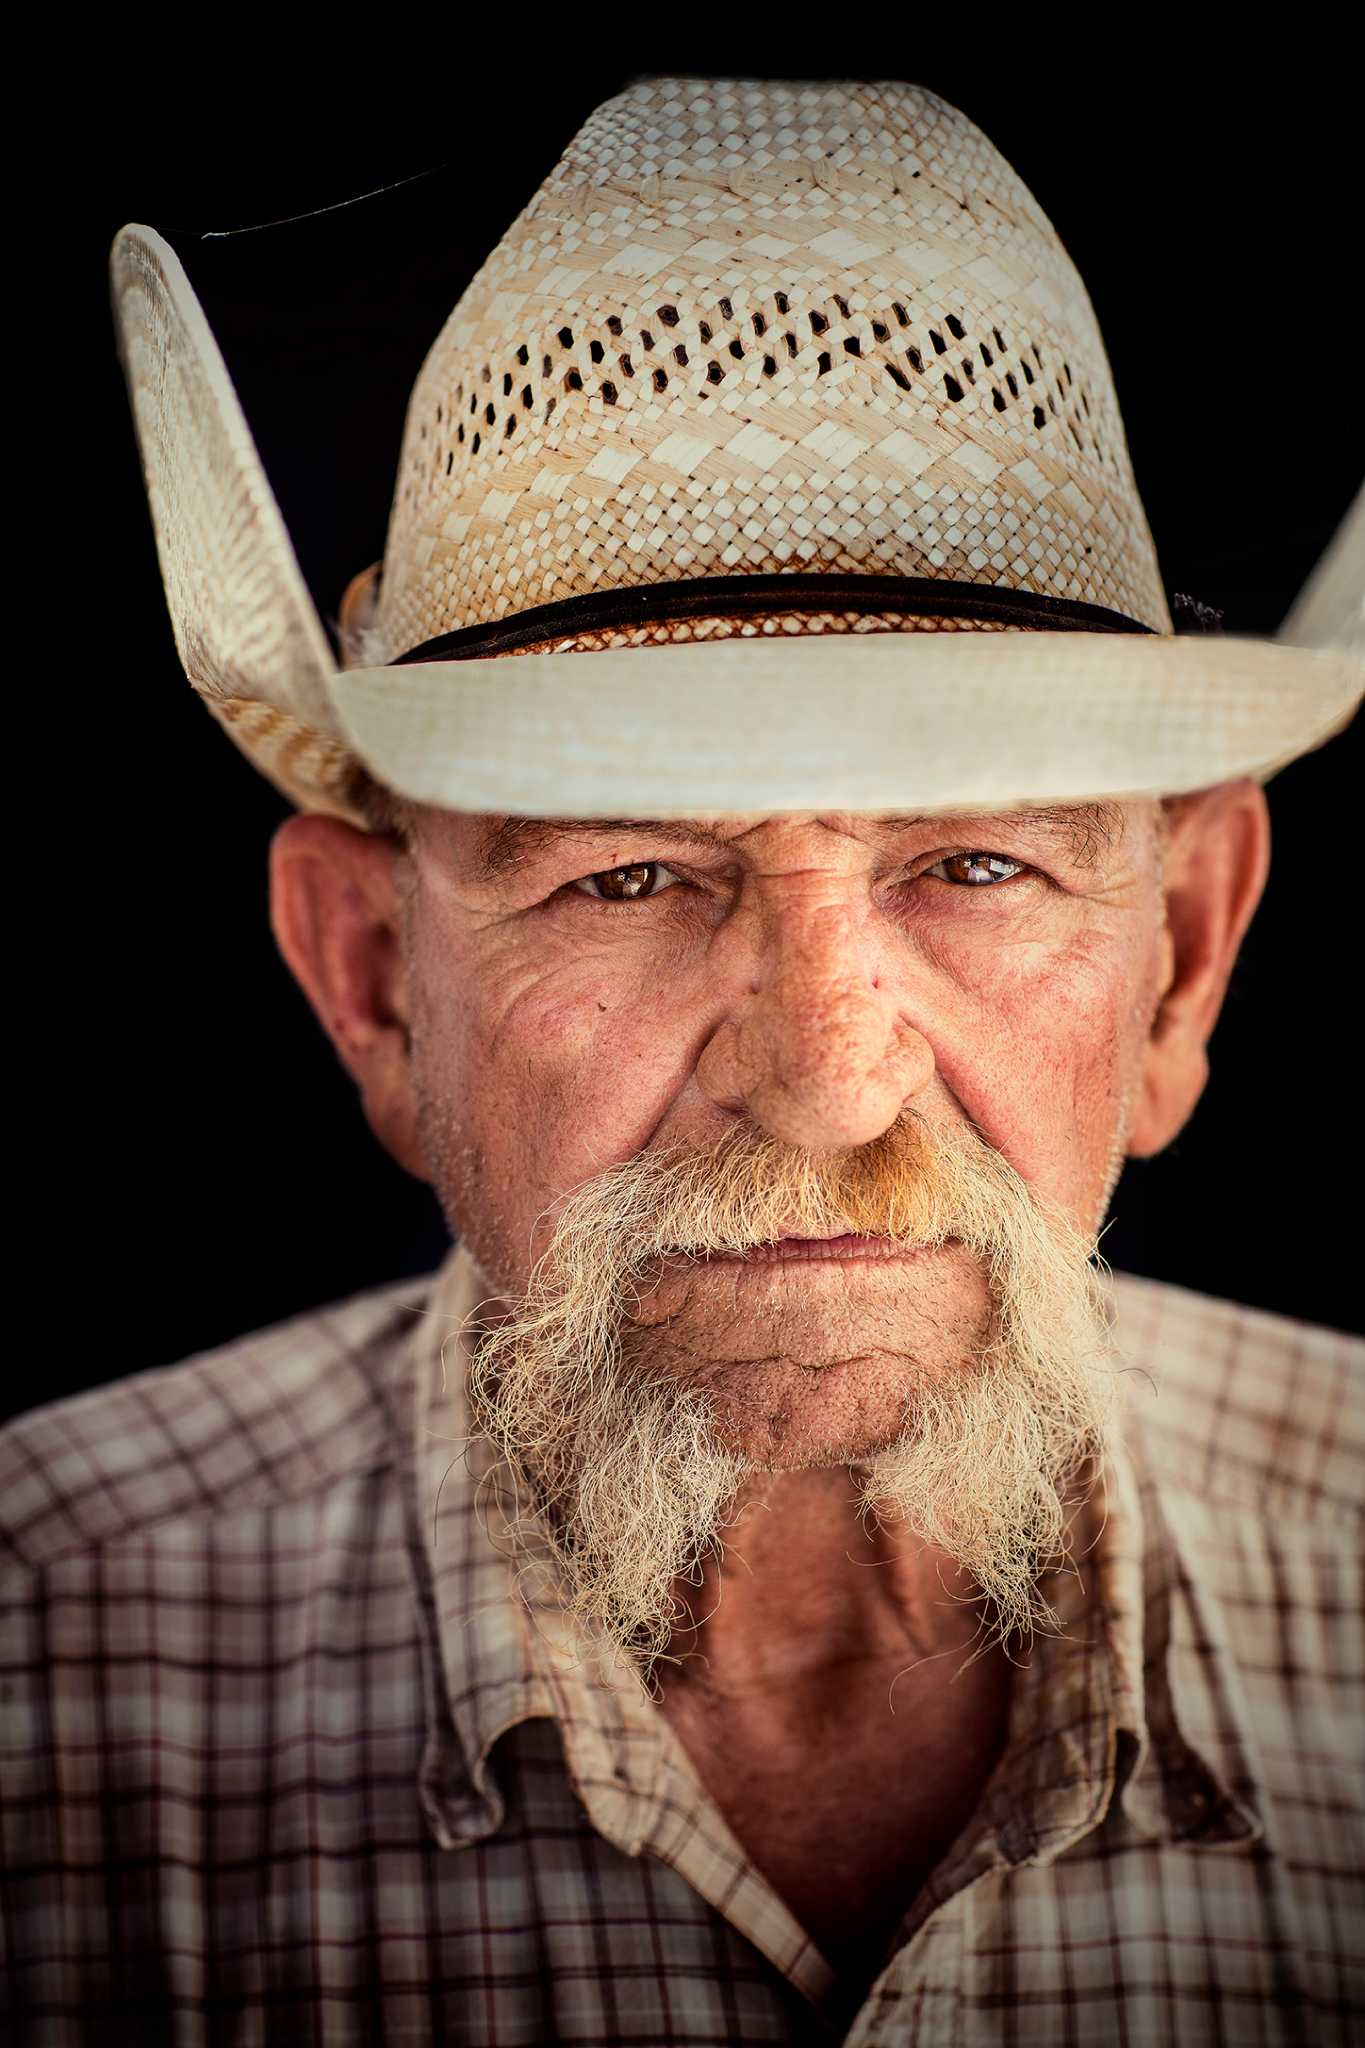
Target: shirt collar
[(1171, 1787), (1097, 1708), (1100, 1713), (493, 1655)]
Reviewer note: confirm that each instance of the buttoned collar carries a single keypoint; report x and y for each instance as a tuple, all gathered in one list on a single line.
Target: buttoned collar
[(1096, 1715)]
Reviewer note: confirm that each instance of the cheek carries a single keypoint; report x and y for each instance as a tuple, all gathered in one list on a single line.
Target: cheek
[(538, 1077), (596, 1050), (1047, 1066)]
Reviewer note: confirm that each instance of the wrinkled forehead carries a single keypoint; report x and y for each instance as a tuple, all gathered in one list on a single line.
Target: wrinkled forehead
[(491, 844)]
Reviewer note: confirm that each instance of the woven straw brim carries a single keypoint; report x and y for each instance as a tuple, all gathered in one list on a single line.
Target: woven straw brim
[(935, 720), (863, 721)]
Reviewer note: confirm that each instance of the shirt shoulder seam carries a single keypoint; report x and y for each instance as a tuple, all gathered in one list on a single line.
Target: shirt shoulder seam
[(292, 1474)]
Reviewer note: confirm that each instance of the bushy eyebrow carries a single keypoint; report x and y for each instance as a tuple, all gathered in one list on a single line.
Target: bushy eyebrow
[(1088, 831), (1084, 831), (516, 841)]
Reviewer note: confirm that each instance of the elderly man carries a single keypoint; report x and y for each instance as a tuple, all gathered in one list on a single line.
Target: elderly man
[(766, 861)]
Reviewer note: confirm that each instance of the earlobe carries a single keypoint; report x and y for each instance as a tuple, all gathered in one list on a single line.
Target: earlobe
[(1153, 1122), (1175, 1075), (1216, 862), (336, 916), (328, 914), (1160, 1018)]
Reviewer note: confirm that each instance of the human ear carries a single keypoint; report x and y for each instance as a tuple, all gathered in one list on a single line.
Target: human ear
[(336, 912), (1217, 857)]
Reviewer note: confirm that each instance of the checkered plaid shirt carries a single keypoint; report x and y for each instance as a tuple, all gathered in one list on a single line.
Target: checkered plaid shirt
[(285, 1760)]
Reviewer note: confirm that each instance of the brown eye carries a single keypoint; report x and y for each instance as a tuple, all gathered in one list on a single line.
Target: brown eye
[(625, 885), (975, 870)]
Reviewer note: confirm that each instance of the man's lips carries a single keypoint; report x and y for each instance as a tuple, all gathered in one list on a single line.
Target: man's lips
[(849, 1246)]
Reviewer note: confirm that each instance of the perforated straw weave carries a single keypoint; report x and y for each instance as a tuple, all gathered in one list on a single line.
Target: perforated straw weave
[(744, 329), (751, 326)]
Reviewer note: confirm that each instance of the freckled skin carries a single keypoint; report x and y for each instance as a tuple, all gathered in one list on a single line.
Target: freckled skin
[(800, 977), (811, 972), (814, 972)]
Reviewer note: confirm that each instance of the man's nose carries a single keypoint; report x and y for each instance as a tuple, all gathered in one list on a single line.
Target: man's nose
[(817, 1049)]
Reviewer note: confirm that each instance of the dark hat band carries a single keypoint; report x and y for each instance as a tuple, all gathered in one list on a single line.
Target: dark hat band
[(749, 596)]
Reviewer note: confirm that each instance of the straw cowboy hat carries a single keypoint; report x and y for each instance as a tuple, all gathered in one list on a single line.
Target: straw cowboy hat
[(763, 366)]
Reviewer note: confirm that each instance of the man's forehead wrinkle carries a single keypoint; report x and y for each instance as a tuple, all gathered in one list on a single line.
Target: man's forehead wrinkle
[(1088, 830)]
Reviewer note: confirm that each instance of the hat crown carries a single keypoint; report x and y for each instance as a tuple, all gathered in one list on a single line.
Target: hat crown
[(751, 326)]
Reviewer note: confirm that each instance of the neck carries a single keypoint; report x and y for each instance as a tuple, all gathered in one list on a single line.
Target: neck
[(806, 1597)]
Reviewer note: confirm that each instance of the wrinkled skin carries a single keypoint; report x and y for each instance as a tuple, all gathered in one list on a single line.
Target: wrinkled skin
[(512, 1035), (804, 969)]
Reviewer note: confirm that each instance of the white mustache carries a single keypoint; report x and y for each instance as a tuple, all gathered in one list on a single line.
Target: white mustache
[(915, 1185), (611, 1474)]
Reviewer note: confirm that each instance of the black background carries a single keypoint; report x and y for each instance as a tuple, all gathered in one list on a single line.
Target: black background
[(202, 1165)]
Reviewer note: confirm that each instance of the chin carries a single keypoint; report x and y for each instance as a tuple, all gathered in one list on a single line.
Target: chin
[(815, 1366), (783, 1417)]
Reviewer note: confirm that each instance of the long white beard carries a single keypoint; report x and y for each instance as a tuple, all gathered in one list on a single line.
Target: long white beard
[(614, 1477)]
